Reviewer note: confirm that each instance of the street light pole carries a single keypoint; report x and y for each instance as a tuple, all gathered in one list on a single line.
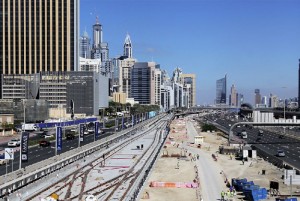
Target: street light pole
[(20, 163), (284, 112)]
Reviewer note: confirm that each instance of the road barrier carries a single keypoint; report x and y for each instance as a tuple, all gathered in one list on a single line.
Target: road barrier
[(25, 176)]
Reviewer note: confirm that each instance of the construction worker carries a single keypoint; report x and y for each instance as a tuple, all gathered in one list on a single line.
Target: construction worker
[(231, 194), (234, 191), (222, 196), (228, 193)]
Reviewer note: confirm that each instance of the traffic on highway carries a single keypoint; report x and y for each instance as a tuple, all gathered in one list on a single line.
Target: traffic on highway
[(44, 146), (271, 142)]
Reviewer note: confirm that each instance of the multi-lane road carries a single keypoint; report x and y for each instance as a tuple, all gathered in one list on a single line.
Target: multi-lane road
[(269, 142), (37, 153)]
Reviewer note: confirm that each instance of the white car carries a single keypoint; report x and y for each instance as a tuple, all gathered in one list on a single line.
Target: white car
[(48, 136), (14, 143), (120, 114), (3, 161)]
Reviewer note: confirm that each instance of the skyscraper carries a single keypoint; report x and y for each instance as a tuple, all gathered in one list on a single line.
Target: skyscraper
[(85, 46), (189, 84), (221, 90), (257, 97), (97, 40), (146, 82), (38, 35), (97, 32), (233, 96), (127, 47)]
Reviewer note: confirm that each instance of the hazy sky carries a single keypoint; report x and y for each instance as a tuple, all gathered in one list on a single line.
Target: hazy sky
[(255, 42)]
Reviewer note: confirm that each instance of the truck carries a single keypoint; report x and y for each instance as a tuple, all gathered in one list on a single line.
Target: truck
[(244, 135), (29, 127)]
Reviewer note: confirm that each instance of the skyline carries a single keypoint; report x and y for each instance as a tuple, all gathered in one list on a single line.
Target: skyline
[(208, 38)]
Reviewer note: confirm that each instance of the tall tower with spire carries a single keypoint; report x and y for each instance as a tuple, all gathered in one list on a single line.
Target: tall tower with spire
[(97, 31), (97, 40), (128, 47)]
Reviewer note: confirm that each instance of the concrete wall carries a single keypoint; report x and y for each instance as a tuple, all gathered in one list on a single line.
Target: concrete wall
[(291, 176)]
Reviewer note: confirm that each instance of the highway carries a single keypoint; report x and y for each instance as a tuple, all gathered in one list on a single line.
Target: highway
[(269, 142), (37, 153)]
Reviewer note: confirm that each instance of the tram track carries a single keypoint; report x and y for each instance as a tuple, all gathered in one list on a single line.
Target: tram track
[(107, 189)]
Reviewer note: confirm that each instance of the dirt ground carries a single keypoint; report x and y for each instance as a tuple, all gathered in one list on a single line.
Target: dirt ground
[(169, 168)]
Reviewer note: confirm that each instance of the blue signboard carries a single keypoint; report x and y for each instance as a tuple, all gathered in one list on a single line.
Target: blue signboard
[(117, 124), (132, 120), (97, 125), (24, 146), (81, 132), (59, 138)]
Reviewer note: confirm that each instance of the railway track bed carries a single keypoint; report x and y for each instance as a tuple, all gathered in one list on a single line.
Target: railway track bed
[(105, 176)]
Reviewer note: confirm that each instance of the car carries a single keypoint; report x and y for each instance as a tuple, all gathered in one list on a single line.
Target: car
[(14, 143), (120, 114), (44, 143), (41, 134), (280, 153), (260, 132), (48, 136), (70, 136), (91, 130), (3, 161), (281, 136)]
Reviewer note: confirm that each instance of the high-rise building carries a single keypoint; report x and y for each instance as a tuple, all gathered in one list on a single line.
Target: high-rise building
[(100, 49), (176, 75), (264, 101), (221, 93), (121, 78), (233, 96), (167, 91), (106, 66), (39, 35), (85, 46), (257, 98), (127, 47), (240, 99), (121, 69), (146, 83), (273, 101), (189, 87), (97, 33)]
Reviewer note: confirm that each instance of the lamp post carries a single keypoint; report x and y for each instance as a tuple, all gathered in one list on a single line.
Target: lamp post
[(20, 163), (284, 112)]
